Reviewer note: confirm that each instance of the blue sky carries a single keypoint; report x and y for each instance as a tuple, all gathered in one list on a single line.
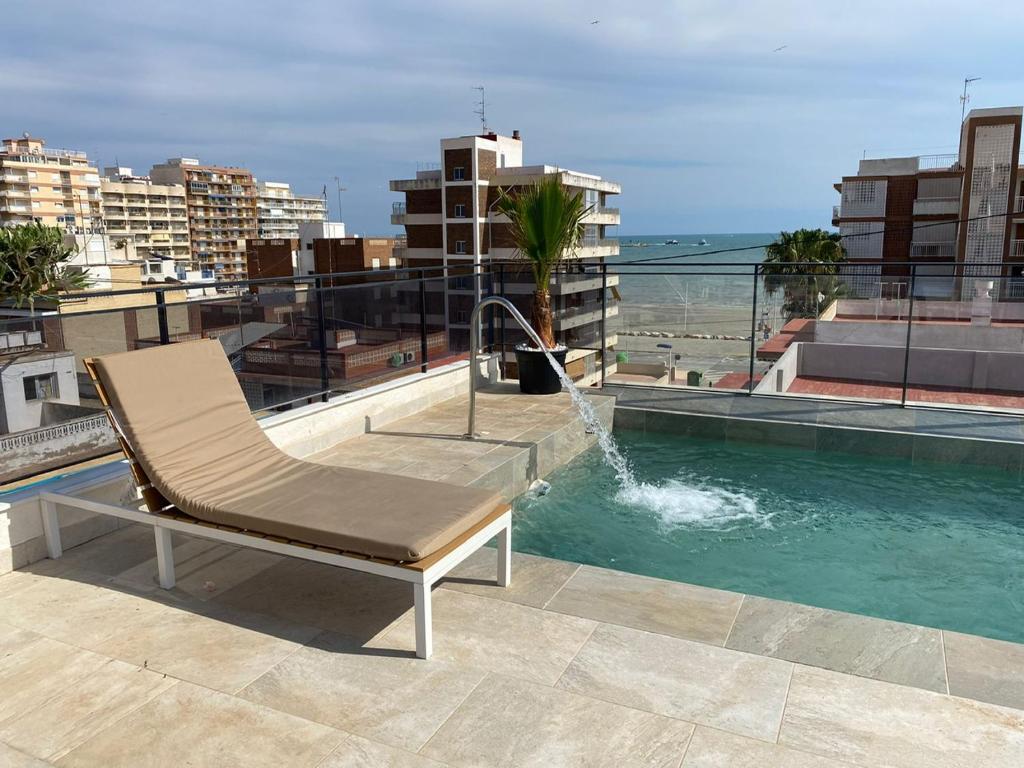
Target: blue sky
[(684, 103)]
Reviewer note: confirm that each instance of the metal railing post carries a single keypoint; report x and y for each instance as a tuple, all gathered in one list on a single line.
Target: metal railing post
[(423, 323), (321, 325), (753, 332), (161, 317), (604, 318), (501, 321), (491, 313), (910, 325)]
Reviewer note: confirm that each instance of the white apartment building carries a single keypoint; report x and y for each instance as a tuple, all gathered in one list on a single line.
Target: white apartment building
[(153, 217), (280, 212)]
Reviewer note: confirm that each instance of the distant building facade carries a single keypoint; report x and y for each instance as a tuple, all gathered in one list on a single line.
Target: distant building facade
[(221, 205), (964, 210), (56, 187), (450, 220), (280, 212), (154, 217)]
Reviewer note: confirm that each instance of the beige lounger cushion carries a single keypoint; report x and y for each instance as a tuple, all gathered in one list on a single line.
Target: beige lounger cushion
[(184, 415)]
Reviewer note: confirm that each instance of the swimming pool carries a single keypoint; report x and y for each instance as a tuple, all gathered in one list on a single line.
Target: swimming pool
[(933, 544)]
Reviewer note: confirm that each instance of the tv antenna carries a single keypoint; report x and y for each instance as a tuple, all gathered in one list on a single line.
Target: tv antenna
[(481, 110), (964, 98)]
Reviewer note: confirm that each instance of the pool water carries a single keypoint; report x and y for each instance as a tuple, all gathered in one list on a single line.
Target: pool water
[(939, 545)]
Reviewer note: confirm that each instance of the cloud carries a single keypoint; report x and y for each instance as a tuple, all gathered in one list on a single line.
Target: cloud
[(684, 103)]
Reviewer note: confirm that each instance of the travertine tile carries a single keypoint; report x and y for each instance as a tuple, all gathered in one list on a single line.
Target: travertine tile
[(497, 636), (13, 639), (218, 648), (357, 752), (83, 710), (384, 695), (117, 551), (189, 725), (345, 602), (534, 579), (711, 748), (510, 723), (869, 722), (984, 669), (666, 607), (692, 681), (204, 571), (39, 671), (76, 607), (12, 758), (844, 642)]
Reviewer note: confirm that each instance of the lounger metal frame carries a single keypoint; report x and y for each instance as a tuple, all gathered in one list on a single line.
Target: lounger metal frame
[(165, 518)]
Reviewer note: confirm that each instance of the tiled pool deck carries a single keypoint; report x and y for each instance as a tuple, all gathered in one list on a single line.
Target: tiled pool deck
[(255, 660), (258, 660)]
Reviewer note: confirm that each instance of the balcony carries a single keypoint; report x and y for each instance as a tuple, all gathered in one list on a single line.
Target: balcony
[(423, 180), (943, 249), (933, 206), (1017, 248), (1018, 204), (594, 247)]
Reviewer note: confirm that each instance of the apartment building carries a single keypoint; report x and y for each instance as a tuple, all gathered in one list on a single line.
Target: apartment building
[(956, 215), (57, 187), (450, 219), (280, 212), (154, 217), (221, 204)]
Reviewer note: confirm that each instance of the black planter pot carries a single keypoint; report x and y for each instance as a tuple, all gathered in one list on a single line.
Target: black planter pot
[(536, 376)]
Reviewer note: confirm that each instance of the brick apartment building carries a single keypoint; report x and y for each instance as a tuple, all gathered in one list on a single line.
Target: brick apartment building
[(221, 206), (450, 220), (964, 210)]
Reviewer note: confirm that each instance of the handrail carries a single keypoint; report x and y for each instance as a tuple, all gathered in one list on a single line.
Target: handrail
[(474, 349)]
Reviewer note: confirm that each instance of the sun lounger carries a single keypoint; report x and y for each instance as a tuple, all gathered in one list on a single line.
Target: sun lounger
[(205, 467)]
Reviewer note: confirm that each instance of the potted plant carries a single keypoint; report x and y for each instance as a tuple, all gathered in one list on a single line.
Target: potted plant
[(546, 227)]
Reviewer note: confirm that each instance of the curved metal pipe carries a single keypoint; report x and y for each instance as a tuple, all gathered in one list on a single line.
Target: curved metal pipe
[(474, 349)]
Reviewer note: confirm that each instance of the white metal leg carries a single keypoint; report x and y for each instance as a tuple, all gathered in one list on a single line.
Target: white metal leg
[(505, 556), (51, 529), (164, 557), (424, 620)]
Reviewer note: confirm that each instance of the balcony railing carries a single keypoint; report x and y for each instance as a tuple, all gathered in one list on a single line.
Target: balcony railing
[(925, 206), (936, 162), (1018, 204), (836, 211), (1017, 248), (398, 209), (944, 249)]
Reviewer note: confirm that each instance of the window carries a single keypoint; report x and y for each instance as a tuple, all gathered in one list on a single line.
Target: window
[(502, 159), (41, 387), (460, 211), (461, 316), (458, 173), (460, 246), (309, 247)]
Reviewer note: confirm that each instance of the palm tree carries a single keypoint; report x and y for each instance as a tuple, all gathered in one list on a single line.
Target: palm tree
[(34, 263), (804, 264), (547, 226)]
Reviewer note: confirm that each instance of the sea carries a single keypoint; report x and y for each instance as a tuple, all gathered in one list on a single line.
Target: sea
[(698, 268)]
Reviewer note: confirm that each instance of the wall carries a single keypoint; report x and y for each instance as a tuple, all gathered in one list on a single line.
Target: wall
[(945, 336), (955, 368), (17, 414), (37, 450)]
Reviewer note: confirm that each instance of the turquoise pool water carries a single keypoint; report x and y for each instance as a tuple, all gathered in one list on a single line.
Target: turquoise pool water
[(934, 544)]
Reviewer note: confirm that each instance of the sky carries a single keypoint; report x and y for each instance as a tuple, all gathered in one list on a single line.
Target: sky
[(689, 105)]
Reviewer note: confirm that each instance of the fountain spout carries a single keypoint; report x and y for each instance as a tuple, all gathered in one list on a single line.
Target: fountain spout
[(474, 349)]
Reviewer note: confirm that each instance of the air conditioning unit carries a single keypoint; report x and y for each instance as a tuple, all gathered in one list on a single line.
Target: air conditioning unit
[(410, 357)]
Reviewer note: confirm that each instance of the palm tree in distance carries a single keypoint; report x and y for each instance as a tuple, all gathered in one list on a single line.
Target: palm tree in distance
[(546, 227), (804, 265)]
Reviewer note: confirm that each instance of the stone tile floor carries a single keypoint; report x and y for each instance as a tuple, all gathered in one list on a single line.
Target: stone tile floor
[(521, 438), (259, 660)]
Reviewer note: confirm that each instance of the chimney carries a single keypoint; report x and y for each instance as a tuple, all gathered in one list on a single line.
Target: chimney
[(515, 135)]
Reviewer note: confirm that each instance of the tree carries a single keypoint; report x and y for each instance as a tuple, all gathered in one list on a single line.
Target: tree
[(34, 263), (804, 265), (547, 226)]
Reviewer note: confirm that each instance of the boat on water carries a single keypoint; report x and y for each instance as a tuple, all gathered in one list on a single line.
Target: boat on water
[(703, 242), (671, 242)]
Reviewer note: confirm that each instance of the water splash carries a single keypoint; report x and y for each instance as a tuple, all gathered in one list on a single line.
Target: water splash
[(694, 505), (677, 503), (612, 455)]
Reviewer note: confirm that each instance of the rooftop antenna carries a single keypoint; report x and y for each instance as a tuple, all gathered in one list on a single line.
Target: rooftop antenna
[(964, 98), (341, 189), (481, 111)]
